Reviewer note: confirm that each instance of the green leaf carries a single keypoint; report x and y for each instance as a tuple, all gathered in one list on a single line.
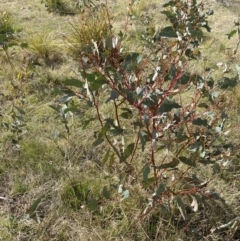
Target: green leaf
[(116, 130), (200, 122), (148, 183), (97, 83), (3, 37), (203, 105), (56, 108), (127, 114), (168, 32), (72, 109), (143, 139), (24, 45), (210, 12), (194, 147), (66, 98), (190, 54), (11, 45), (181, 136), (231, 34), (97, 142), (169, 3), (22, 112), (34, 206), (113, 96), (210, 82), (172, 164), (104, 130), (184, 79), (105, 158), (93, 204), (187, 161), (90, 77), (127, 152), (167, 106), (146, 172), (227, 82), (73, 82), (109, 43), (161, 189), (106, 193), (181, 207), (87, 122)]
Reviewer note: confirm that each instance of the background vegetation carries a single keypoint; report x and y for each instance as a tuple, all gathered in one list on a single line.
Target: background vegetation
[(57, 185)]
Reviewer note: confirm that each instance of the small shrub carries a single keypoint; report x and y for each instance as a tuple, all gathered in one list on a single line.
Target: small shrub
[(177, 114)]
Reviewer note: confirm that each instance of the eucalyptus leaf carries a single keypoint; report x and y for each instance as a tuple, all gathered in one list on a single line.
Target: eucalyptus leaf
[(161, 189), (200, 122), (127, 152), (97, 142), (171, 164), (105, 158), (146, 172), (187, 161), (181, 207), (73, 82)]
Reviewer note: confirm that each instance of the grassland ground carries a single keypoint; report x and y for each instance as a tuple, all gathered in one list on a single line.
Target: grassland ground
[(50, 178)]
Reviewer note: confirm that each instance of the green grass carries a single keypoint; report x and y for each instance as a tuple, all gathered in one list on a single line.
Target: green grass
[(67, 173)]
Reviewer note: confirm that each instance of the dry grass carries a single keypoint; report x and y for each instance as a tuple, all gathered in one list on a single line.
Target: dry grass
[(67, 175)]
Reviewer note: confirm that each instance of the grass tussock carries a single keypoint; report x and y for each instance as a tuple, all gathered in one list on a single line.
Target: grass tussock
[(6, 23), (44, 46), (85, 29)]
